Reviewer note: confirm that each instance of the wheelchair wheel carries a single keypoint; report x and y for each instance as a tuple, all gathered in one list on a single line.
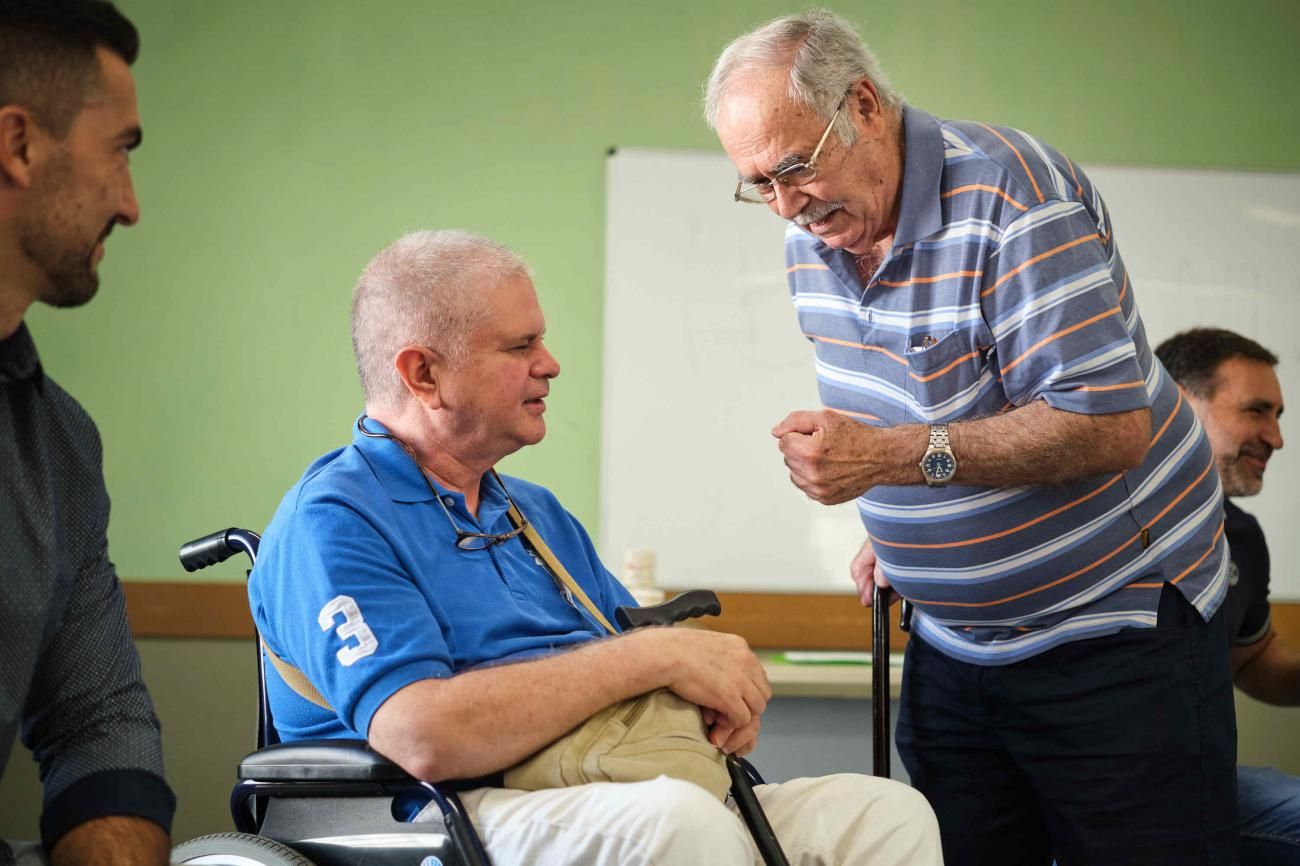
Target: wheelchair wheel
[(235, 849)]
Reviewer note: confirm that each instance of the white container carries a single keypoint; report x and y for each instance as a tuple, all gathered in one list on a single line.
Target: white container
[(639, 577)]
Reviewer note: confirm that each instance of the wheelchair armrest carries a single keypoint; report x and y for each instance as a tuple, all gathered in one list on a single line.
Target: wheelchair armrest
[(688, 605), (320, 761)]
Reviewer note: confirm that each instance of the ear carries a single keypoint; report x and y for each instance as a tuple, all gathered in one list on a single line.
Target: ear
[(420, 368), (18, 131), (864, 101)]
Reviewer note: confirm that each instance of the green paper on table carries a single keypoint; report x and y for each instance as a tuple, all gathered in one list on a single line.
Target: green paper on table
[(807, 657)]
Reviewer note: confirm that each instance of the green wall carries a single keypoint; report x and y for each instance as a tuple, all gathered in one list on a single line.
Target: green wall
[(285, 143)]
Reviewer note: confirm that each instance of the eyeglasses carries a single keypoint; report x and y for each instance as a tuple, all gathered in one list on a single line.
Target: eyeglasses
[(465, 539), (799, 174)]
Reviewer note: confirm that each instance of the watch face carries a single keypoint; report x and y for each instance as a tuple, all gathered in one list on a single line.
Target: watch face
[(939, 465)]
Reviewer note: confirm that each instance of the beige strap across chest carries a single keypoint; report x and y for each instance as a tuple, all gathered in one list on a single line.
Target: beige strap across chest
[(297, 680), (557, 568)]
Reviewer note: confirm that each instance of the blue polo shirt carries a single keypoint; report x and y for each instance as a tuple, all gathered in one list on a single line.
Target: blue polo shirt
[(359, 584), (1005, 285)]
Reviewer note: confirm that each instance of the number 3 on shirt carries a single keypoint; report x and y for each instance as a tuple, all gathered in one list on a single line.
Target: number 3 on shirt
[(353, 626)]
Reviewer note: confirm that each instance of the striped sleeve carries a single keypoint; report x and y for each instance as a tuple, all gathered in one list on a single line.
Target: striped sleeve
[(1049, 296)]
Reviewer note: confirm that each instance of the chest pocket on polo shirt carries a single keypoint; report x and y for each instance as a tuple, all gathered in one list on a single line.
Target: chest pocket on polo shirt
[(864, 374), (951, 375)]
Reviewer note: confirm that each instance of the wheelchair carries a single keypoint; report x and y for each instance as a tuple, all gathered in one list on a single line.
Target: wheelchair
[(335, 802)]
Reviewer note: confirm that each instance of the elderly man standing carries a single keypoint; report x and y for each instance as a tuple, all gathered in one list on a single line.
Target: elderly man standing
[(395, 577), (1029, 476), (1230, 382), (69, 673)]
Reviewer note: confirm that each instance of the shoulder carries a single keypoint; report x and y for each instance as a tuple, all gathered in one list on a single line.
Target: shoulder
[(333, 499), (340, 477), (71, 416), (543, 509), (1008, 159), (329, 513), (1240, 524), (22, 371), (52, 428), (533, 498)]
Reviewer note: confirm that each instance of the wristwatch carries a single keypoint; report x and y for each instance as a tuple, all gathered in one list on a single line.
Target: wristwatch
[(938, 465)]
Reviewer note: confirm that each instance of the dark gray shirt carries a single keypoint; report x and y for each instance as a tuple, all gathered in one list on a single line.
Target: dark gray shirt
[(69, 673), (1246, 604)]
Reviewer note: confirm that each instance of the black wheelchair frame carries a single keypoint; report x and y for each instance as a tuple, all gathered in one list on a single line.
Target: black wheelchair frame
[(331, 800)]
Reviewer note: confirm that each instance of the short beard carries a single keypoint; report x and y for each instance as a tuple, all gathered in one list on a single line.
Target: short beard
[(1237, 481), (72, 282), (44, 234)]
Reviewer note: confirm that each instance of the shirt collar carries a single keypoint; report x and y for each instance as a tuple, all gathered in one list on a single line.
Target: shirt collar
[(919, 214), (404, 481), (399, 475), (18, 358)]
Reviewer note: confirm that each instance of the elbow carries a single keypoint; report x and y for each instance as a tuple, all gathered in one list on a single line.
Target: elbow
[(1132, 440), (414, 742), (425, 767), (415, 730), (422, 760), (1132, 457)]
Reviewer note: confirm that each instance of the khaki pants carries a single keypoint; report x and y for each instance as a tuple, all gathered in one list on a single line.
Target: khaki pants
[(843, 819)]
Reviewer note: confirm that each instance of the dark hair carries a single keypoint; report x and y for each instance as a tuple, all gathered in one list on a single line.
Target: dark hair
[(47, 54), (1194, 356)]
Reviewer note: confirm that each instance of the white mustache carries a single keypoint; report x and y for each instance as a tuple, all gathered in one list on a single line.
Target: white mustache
[(815, 212)]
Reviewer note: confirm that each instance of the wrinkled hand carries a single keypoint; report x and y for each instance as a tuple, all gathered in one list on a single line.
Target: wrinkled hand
[(739, 741), (831, 458), (720, 674), (867, 573)]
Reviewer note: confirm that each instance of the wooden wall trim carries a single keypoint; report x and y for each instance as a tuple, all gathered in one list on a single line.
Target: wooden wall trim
[(800, 621), (1286, 620), (766, 620), (188, 609)]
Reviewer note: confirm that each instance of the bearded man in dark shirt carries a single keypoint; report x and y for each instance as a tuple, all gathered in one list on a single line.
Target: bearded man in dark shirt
[(69, 673), (1231, 384)]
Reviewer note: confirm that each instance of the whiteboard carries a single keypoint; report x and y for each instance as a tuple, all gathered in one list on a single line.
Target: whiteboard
[(703, 355)]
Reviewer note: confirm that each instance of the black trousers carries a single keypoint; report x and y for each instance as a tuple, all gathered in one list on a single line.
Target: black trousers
[(1115, 750)]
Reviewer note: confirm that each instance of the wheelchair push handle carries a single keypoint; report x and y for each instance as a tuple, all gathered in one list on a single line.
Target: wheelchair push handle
[(688, 605), (218, 547)]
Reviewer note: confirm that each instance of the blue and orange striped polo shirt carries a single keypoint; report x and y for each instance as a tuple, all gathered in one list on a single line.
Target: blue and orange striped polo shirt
[(1004, 286)]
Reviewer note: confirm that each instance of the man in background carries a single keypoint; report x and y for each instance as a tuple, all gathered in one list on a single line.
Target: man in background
[(1230, 382), (1028, 475), (69, 673)]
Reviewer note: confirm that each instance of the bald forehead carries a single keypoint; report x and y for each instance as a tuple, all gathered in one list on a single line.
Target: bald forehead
[(761, 127), (757, 93)]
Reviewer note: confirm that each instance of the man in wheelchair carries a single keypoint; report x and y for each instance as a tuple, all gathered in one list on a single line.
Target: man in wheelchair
[(396, 576)]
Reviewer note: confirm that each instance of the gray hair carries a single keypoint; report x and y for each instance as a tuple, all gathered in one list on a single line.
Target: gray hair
[(825, 56), (426, 288)]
